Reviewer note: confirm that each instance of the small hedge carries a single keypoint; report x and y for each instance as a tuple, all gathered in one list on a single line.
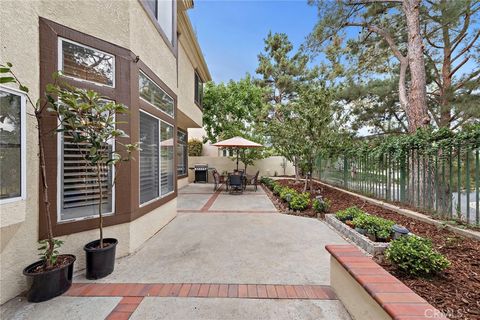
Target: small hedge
[(376, 226), (195, 147), (296, 200), (416, 256)]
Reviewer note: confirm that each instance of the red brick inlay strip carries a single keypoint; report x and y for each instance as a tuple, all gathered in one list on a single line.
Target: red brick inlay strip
[(125, 308), (203, 290), (210, 201), (398, 300)]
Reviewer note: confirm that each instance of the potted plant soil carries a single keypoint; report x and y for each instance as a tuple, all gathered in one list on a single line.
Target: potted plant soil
[(350, 223), (52, 274), (90, 119)]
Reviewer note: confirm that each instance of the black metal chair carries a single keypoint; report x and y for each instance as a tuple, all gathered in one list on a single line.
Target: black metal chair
[(218, 180), (235, 183)]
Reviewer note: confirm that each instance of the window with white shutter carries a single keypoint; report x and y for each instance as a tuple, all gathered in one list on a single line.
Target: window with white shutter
[(79, 191)]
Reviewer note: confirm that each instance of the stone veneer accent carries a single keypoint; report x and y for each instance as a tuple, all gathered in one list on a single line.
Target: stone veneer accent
[(373, 248)]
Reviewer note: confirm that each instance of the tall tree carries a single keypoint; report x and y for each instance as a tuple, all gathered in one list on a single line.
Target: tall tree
[(231, 110), (372, 16), (453, 59), (282, 74)]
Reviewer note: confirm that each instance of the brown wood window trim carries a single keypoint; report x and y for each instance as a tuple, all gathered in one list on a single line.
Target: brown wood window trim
[(173, 46), (126, 91), (185, 175)]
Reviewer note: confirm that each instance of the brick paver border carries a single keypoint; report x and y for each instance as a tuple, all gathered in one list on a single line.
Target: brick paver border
[(202, 290)]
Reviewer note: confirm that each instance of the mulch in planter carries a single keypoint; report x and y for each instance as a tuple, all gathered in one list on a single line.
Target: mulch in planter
[(456, 291)]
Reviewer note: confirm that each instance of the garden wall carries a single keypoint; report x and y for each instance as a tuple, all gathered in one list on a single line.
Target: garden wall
[(267, 166)]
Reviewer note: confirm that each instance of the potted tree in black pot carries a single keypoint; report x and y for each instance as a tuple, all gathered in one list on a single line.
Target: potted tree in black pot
[(90, 121), (52, 274)]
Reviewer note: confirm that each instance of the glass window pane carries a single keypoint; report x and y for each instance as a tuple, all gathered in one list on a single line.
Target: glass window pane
[(149, 158), (181, 153), (167, 163), (154, 95), (165, 17), (10, 145), (80, 192), (87, 64)]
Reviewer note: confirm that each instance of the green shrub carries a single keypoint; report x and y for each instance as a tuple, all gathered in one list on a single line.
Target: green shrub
[(349, 214), (377, 226), (270, 183), (195, 147), (300, 201), (321, 205), (286, 194), (277, 189), (416, 256)]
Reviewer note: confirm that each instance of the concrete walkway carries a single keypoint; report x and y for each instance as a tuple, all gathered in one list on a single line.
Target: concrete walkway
[(223, 257)]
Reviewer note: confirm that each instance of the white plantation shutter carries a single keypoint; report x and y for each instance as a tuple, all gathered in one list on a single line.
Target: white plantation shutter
[(149, 158), (167, 162), (80, 193)]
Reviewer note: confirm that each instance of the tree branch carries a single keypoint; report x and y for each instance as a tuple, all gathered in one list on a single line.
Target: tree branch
[(467, 47)]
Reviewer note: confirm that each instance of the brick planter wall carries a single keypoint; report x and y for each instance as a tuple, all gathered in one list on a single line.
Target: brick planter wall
[(369, 292)]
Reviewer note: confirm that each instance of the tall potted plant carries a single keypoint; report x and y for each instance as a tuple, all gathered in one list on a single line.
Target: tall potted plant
[(90, 120), (52, 274)]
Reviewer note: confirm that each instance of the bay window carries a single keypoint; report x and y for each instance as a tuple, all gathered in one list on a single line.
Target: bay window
[(12, 145), (156, 158)]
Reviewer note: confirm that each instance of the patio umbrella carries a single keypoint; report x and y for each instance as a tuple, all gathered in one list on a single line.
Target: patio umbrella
[(237, 143)]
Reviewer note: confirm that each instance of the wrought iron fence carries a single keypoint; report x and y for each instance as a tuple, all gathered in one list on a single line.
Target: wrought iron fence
[(444, 184)]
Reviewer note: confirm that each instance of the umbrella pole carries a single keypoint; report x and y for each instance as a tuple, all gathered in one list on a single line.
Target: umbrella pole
[(238, 150)]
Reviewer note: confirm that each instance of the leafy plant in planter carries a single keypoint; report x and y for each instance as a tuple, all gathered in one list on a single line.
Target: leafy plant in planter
[(416, 256), (349, 214), (287, 194), (277, 188), (52, 275), (321, 205), (300, 201), (91, 121)]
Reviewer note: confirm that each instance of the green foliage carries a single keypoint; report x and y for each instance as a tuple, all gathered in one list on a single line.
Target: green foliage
[(416, 256), (377, 226), (349, 213), (50, 257), (277, 188), (299, 201), (270, 183), (195, 147), (286, 194), (321, 206), (231, 110)]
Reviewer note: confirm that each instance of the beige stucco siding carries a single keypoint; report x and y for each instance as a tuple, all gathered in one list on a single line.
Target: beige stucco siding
[(121, 22)]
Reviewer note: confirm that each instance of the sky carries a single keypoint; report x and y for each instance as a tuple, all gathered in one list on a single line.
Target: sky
[(231, 32)]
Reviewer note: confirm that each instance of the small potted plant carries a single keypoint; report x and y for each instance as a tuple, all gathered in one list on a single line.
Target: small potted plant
[(89, 119), (52, 274)]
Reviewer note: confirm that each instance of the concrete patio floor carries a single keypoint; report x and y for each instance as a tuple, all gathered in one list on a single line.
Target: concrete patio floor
[(217, 238)]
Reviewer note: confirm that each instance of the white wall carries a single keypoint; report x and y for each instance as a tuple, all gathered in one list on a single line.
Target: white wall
[(267, 166)]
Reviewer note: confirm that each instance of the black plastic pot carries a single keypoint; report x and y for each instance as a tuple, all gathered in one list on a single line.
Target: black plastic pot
[(49, 284), (100, 261)]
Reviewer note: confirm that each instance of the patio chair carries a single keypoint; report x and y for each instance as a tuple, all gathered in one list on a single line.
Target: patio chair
[(218, 180), (235, 183), (254, 180)]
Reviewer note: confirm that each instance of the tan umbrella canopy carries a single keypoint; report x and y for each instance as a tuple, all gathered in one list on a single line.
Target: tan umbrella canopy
[(237, 143)]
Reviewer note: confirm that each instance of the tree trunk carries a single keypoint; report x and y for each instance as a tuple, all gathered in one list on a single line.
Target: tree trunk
[(46, 202), (446, 81), (417, 113), (100, 221)]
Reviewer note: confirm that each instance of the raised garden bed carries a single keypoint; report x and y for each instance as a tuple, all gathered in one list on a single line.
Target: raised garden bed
[(456, 291), (376, 249)]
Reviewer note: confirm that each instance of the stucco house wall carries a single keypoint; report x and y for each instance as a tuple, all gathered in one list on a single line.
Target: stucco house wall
[(121, 22)]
